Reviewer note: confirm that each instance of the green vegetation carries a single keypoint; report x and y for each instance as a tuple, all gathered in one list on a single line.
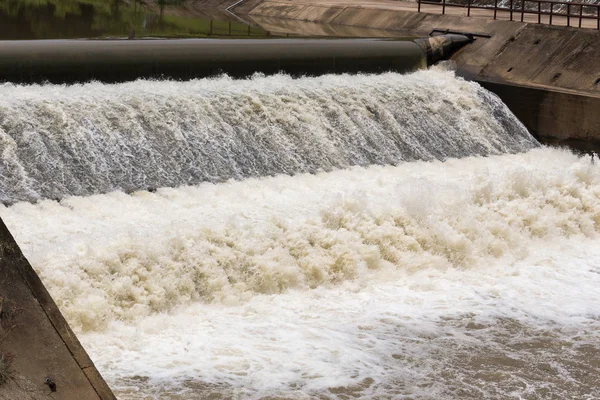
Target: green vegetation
[(8, 317), (58, 19), (6, 370)]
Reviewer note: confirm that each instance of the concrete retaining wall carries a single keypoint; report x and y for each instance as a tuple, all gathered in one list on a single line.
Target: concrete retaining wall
[(550, 71), (562, 115), (35, 334)]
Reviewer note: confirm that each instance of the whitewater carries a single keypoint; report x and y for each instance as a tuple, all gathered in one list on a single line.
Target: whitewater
[(94, 138), (465, 270)]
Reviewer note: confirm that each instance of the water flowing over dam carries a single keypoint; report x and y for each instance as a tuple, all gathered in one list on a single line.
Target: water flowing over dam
[(344, 236), (94, 138)]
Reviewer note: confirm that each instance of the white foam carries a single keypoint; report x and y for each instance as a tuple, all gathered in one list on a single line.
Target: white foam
[(120, 256), (399, 331), (294, 285)]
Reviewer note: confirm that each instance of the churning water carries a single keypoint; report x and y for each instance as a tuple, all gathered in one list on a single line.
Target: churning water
[(432, 277), (96, 138)]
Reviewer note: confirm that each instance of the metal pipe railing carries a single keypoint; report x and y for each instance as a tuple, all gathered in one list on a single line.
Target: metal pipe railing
[(540, 10)]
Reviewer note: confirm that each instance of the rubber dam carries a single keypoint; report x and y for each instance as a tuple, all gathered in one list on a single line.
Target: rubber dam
[(322, 229)]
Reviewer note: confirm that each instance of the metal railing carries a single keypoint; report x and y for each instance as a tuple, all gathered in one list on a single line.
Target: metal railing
[(517, 8)]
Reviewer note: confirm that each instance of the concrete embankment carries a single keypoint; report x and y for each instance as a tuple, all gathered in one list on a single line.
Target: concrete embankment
[(36, 342), (548, 75)]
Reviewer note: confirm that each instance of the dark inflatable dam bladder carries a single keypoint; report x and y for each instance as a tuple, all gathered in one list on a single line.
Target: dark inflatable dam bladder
[(71, 61)]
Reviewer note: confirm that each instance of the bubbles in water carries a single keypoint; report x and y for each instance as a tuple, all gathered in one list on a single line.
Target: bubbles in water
[(457, 279), (121, 256)]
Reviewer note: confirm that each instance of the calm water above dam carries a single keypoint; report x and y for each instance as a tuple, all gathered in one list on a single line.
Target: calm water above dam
[(70, 19), (336, 237)]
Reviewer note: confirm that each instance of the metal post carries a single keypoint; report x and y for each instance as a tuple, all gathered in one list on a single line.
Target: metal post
[(443, 7), (210, 31), (469, 8), (580, 14), (419, 6), (539, 12), (569, 14), (229, 28), (598, 18), (495, 8), (511, 10), (522, 9), (551, 11)]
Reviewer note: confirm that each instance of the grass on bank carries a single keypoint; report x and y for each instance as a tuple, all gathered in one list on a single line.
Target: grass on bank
[(6, 369)]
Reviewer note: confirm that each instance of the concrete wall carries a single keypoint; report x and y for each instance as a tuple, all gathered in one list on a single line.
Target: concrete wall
[(563, 115), (552, 72), (556, 57), (34, 332)]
